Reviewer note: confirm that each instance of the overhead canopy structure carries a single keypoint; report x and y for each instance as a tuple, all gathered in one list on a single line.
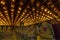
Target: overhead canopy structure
[(12, 12)]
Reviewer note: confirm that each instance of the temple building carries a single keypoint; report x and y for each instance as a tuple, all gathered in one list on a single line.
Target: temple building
[(29, 19)]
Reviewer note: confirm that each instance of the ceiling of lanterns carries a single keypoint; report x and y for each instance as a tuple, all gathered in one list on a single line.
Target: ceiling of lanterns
[(28, 11)]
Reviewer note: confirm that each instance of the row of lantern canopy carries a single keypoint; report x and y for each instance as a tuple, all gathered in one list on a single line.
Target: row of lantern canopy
[(40, 12)]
